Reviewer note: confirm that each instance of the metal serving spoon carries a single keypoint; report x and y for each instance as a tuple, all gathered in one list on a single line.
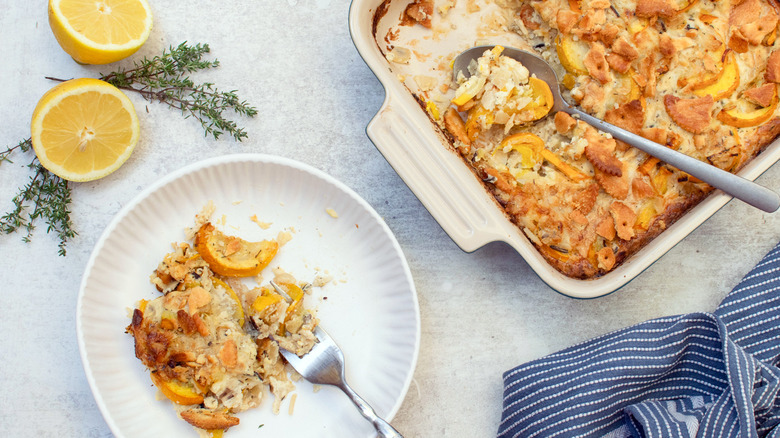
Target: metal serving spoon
[(324, 365), (736, 186)]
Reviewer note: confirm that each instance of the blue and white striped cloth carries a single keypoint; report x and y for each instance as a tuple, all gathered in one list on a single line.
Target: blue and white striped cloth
[(695, 375)]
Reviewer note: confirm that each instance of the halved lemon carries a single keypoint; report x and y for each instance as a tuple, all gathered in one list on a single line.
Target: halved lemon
[(84, 129), (232, 256), (100, 31)]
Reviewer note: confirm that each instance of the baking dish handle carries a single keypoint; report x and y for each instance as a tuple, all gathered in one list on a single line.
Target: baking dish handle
[(434, 174)]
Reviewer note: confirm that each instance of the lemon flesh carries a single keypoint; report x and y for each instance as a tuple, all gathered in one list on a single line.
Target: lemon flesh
[(100, 31), (84, 129)]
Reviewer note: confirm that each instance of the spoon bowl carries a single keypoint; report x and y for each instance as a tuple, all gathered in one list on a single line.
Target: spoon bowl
[(733, 185)]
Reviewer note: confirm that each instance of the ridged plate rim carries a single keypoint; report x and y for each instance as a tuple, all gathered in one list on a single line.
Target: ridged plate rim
[(371, 310)]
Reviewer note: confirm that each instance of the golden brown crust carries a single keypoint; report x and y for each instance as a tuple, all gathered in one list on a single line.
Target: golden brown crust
[(671, 214), (655, 9), (762, 95), (596, 63), (151, 343), (228, 354), (585, 199), (738, 43), (745, 12), (616, 186), (624, 48), (186, 322), (606, 258), (618, 63), (608, 34), (579, 218), (773, 67), (583, 269), (756, 31), (600, 151), (594, 94), (666, 45), (589, 202), (197, 298), (504, 181), (564, 123), (566, 20), (599, 4), (590, 23), (622, 53), (647, 75), (767, 132), (629, 116), (420, 11), (641, 189), (606, 228), (693, 115), (658, 135), (455, 125), (624, 218), (528, 15), (209, 420)]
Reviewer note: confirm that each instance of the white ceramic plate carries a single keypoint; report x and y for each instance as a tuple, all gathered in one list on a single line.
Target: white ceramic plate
[(371, 308)]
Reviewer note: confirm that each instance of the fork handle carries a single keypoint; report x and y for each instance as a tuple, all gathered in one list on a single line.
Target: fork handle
[(383, 428)]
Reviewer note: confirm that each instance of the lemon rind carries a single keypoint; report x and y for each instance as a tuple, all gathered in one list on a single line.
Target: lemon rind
[(54, 97), (101, 53)]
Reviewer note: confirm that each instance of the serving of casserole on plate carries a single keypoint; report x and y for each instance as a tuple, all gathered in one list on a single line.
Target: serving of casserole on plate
[(327, 236), (587, 212)]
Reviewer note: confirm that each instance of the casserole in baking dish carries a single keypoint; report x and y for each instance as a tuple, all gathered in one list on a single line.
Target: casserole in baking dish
[(648, 65)]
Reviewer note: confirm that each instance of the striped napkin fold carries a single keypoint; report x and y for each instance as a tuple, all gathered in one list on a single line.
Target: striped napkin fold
[(695, 375)]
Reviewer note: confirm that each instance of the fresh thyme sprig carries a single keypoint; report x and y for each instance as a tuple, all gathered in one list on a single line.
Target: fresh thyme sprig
[(24, 146), (162, 78), (165, 79), (44, 196)]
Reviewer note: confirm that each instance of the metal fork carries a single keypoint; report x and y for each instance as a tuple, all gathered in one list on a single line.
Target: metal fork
[(324, 365)]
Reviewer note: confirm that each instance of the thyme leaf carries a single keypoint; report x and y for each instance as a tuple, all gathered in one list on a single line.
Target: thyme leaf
[(164, 78), (24, 146), (45, 196)]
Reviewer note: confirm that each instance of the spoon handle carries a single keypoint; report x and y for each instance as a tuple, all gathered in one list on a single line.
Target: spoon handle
[(736, 186), (383, 428)]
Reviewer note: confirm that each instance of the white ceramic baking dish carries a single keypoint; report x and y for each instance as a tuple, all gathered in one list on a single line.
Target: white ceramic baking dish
[(424, 159)]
